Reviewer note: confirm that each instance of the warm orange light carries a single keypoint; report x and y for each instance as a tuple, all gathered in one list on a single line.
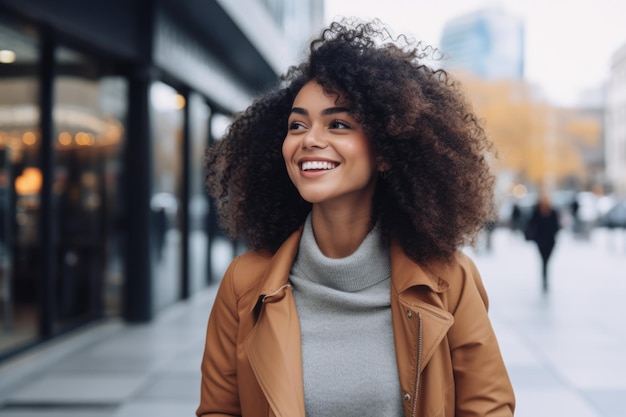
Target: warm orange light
[(65, 138), (520, 190), (29, 182), (29, 138), (180, 101), (81, 138)]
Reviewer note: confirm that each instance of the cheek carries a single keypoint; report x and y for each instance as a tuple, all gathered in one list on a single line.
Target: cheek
[(288, 151), (285, 150), (362, 150)]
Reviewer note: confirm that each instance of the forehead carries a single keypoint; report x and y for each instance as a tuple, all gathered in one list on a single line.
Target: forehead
[(313, 94)]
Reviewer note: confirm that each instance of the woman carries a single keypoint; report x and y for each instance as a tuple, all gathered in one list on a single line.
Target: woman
[(354, 184)]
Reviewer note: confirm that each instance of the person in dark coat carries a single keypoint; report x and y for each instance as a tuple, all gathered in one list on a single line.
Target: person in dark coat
[(542, 228), (516, 219)]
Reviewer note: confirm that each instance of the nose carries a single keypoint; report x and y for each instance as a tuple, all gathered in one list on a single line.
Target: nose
[(314, 138)]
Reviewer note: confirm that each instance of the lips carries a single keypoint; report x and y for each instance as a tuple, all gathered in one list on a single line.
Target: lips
[(317, 165)]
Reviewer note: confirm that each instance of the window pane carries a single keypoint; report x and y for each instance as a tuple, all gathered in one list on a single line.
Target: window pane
[(89, 115), (198, 204), (20, 186), (167, 129)]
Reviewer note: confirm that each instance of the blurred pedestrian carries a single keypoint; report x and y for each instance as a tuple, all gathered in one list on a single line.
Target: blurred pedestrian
[(576, 223), (516, 219), (542, 228), (354, 183)]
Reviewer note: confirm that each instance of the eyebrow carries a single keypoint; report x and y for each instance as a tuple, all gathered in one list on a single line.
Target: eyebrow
[(325, 112)]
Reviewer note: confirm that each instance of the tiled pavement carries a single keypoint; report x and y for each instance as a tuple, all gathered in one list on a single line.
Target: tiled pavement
[(114, 369), (565, 350)]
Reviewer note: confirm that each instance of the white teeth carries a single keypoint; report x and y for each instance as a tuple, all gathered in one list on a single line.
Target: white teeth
[(317, 165)]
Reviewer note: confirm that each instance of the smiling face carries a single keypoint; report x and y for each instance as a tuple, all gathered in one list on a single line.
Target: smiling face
[(327, 154)]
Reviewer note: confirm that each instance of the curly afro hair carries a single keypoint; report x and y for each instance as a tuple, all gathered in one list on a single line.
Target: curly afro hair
[(438, 190)]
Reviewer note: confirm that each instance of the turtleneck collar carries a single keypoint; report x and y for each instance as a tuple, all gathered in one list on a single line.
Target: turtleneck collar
[(367, 266)]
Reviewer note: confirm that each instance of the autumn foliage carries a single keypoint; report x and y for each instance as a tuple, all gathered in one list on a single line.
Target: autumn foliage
[(536, 143)]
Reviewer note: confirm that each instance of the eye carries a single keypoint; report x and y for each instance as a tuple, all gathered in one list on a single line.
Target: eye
[(295, 126), (339, 124)]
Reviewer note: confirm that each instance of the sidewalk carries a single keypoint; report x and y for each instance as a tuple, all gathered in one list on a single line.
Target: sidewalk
[(566, 350), (114, 369)]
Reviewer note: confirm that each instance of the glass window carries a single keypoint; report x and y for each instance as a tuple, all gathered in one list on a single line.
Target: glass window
[(89, 118), (20, 186), (198, 204), (167, 120)]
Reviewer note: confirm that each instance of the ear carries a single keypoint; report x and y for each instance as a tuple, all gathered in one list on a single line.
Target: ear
[(381, 164)]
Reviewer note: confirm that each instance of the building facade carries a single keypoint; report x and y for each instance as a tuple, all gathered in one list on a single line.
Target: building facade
[(615, 123), (487, 43), (105, 111)]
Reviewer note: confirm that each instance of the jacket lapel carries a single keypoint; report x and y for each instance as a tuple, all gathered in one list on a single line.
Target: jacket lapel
[(274, 344), (410, 301)]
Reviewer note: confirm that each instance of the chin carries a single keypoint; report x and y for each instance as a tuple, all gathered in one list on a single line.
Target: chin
[(314, 196), (312, 199)]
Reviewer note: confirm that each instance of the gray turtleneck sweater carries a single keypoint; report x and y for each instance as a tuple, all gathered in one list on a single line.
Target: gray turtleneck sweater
[(348, 353)]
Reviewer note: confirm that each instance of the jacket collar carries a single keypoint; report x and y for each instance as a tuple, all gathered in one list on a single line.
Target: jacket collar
[(405, 273), (277, 274)]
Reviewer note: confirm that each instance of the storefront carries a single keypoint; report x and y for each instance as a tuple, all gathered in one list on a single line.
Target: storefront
[(105, 110)]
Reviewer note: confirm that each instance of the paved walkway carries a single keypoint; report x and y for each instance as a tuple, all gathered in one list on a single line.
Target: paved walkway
[(565, 350)]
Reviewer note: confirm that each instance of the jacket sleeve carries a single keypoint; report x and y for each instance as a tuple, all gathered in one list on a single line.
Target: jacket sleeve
[(482, 384), (219, 394)]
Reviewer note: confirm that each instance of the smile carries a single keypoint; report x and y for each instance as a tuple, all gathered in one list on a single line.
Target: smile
[(317, 165)]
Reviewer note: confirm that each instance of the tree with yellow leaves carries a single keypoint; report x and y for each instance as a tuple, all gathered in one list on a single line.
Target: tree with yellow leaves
[(535, 142)]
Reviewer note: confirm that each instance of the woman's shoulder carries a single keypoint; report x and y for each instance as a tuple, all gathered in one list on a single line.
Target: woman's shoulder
[(462, 277), (246, 270), (475, 277), (456, 267)]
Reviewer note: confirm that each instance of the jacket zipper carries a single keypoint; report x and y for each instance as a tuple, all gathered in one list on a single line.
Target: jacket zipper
[(265, 298), (419, 363)]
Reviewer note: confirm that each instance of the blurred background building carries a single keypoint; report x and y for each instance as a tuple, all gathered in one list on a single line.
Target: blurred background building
[(542, 148), (616, 122), (489, 43), (105, 110)]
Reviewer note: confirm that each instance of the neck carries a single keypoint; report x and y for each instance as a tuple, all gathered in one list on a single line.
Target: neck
[(340, 232)]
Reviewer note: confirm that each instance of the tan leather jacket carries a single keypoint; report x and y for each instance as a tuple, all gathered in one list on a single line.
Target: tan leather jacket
[(448, 358)]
